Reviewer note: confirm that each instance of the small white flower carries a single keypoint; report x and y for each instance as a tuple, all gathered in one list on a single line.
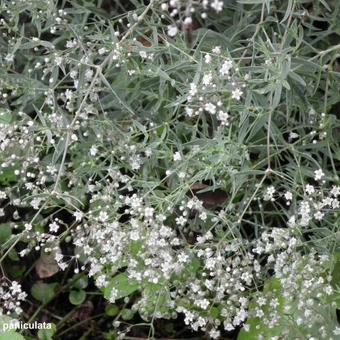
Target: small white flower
[(177, 156), (164, 7), (143, 54), (335, 191), (207, 58), (74, 137), (193, 89), (93, 150), (226, 67), (187, 21), (214, 333), (319, 215), (336, 331), (189, 111), (103, 216), (310, 189), (318, 174), (78, 215), (54, 227), (102, 50), (288, 196), (28, 226), (210, 107), (71, 43), (217, 5), (217, 50), (203, 216), (293, 135), (236, 94), (172, 31), (207, 79), (269, 194)]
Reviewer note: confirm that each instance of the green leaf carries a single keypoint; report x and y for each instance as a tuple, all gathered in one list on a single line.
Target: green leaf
[(77, 297), (5, 117), (81, 283), (44, 292), (11, 335), (157, 297), (5, 232), (13, 255), (8, 334), (47, 334), (111, 310), (7, 176), (257, 327), (127, 314), (123, 284)]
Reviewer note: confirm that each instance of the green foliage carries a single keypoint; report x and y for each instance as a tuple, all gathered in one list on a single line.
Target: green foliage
[(8, 334), (44, 292), (47, 334), (174, 160), (77, 297), (123, 286)]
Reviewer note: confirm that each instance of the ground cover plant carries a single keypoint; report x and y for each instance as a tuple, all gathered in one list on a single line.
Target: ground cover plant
[(170, 169)]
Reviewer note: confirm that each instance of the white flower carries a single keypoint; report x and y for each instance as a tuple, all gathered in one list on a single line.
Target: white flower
[(293, 135), (319, 215), (189, 111), (210, 107), (148, 212), (187, 21), (226, 67), (269, 194), (89, 74), (71, 43), (193, 89), (102, 50), (217, 5), (93, 150), (310, 189), (223, 117), (68, 94), (177, 156), (143, 54), (74, 137), (288, 196), (15, 288), (183, 258), (172, 31), (236, 94), (318, 174), (216, 50), (28, 226), (207, 79), (164, 7), (335, 191), (207, 58), (336, 331), (78, 215), (214, 333), (203, 216), (103, 216), (54, 227)]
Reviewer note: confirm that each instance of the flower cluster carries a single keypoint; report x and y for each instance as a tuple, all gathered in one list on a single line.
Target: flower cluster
[(184, 11), (11, 296), (196, 175), (217, 89), (317, 202)]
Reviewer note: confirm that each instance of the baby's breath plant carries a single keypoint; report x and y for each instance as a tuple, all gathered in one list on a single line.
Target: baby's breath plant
[(170, 164)]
